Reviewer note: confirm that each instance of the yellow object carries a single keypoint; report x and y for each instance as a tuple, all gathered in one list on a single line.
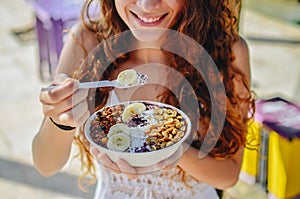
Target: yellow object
[(283, 166), (249, 168)]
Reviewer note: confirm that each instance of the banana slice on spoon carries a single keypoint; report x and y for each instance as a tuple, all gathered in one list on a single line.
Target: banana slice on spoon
[(128, 77)]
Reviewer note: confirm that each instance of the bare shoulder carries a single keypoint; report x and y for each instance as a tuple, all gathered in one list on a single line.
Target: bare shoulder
[(79, 42), (241, 52), (84, 36)]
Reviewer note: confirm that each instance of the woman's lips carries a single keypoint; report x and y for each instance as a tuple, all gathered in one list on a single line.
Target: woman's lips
[(149, 20)]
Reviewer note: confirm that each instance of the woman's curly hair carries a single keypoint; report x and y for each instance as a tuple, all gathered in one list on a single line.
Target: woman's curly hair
[(214, 25)]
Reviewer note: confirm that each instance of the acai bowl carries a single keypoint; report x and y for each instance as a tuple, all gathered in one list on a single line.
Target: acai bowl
[(141, 132)]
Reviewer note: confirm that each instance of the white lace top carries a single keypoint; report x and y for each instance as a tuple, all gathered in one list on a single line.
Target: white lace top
[(160, 185)]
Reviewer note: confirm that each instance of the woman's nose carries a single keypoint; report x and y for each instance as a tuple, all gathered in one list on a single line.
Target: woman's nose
[(148, 5)]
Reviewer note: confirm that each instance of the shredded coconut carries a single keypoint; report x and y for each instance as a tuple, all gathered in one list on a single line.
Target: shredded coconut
[(138, 137)]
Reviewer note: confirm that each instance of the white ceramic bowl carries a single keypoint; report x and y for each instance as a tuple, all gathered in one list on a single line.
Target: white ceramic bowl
[(141, 159)]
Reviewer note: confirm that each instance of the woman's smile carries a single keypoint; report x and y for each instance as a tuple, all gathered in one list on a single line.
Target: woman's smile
[(146, 20), (148, 13)]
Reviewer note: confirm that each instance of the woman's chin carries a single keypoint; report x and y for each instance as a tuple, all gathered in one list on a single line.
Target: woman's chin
[(149, 34)]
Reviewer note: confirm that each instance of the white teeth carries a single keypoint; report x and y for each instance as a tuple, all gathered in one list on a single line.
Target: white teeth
[(149, 20)]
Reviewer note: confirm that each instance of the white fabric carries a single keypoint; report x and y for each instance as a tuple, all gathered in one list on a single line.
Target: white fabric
[(159, 185)]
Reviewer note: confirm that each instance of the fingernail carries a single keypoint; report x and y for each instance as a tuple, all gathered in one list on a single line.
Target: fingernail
[(70, 82), (76, 83)]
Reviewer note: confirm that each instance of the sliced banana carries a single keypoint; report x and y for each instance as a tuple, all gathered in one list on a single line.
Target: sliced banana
[(127, 77), (118, 128), (119, 142), (132, 110)]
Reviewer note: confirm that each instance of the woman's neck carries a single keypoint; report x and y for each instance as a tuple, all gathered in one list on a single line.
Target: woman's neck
[(148, 55)]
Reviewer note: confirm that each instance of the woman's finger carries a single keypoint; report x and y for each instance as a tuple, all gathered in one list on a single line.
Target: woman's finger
[(74, 116), (94, 151), (66, 104), (126, 168), (73, 100), (104, 160), (60, 93), (59, 78), (108, 163), (147, 170)]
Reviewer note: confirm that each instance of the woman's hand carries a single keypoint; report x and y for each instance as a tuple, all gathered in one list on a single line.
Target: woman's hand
[(65, 104), (122, 166)]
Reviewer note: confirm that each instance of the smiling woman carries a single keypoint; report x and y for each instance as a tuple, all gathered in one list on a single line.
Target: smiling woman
[(216, 96)]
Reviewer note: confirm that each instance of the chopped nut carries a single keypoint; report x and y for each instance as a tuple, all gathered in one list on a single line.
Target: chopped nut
[(162, 145), (178, 125), (174, 131), (165, 133), (153, 147), (169, 121), (169, 143), (104, 140), (182, 128), (155, 134)]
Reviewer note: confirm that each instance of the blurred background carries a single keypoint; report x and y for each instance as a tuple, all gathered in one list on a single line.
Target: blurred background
[(30, 44)]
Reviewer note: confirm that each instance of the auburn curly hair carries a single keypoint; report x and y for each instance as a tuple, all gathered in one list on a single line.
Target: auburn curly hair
[(214, 25)]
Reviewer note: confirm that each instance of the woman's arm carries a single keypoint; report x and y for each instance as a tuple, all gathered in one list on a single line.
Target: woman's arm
[(218, 173), (221, 173), (66, 105)]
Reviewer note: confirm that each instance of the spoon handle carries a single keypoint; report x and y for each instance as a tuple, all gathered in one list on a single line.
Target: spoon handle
[(97, 84)]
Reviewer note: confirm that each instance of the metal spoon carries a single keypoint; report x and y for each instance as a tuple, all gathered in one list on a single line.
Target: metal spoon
[(142, 79)]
